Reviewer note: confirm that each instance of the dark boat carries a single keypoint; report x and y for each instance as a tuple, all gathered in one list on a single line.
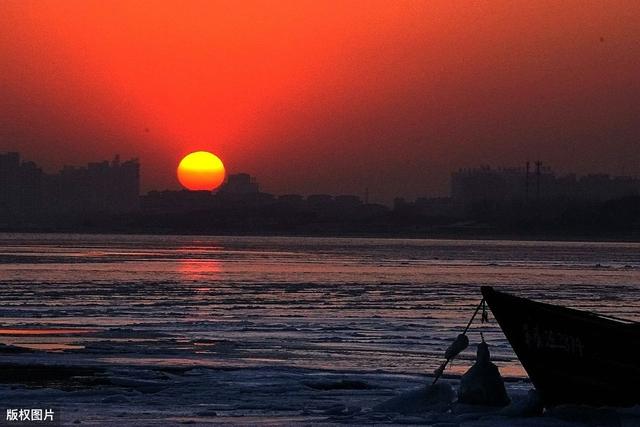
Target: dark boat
[(571, 356)]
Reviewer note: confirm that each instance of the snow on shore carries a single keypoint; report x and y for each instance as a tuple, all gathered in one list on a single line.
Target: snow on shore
[(101, 394)]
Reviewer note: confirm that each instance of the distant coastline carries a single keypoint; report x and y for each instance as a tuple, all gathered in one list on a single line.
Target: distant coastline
[(484, 203), (426, 234)]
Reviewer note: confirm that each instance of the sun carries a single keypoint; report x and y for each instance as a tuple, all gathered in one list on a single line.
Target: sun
[(201, 170)]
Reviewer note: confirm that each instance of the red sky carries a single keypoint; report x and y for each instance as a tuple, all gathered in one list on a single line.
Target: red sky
[(324, 96)]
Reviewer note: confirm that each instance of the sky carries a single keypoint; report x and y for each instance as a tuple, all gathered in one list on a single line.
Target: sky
[(324, 96)]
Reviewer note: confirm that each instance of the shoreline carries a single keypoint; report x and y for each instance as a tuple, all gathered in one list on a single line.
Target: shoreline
[(427, 235)]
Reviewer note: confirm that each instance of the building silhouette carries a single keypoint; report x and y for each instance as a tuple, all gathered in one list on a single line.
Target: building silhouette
[(168, 201), (108, 187), (26, 193), (537, 195), (240, 184), (21, 187), (239, 205), (238, 191), (485, 184), (504, 198)]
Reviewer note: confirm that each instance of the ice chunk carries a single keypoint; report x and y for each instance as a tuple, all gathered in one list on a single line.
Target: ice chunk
[(343, 384), (482, 383), (437, 397), (529, 406)]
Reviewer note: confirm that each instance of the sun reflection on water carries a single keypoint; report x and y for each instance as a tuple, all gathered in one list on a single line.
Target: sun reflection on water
[(195, 270)]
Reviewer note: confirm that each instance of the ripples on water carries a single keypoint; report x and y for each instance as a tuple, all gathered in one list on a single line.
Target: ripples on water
[(313, 303)]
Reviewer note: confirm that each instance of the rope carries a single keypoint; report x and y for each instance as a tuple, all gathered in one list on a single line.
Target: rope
[(442, 367)]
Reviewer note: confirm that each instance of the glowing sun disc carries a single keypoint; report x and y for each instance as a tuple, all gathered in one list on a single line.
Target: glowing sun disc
[(201, 170)]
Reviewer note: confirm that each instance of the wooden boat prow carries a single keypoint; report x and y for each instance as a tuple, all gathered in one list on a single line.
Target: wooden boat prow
[(571, 356)]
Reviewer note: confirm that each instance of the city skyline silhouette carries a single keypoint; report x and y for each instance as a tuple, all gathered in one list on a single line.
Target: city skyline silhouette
[(106, 194)]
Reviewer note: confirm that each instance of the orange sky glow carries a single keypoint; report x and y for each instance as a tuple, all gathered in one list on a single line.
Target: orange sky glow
[(323, 96)]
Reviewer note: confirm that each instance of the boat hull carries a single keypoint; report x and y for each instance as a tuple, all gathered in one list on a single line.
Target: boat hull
[(571, 356)]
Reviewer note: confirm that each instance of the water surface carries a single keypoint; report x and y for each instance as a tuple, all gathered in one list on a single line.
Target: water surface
[(387, 307)]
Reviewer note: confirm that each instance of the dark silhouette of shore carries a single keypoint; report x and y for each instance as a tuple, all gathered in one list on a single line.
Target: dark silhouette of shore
[(611, 220), (103, 197)]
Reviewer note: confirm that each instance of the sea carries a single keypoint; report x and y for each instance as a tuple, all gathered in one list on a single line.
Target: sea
[(211, 330)]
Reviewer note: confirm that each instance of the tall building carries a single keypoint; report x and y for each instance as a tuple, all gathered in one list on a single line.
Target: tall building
[(21, 186), (240, 184), (108, 187), (105, 187), (531, 184)]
